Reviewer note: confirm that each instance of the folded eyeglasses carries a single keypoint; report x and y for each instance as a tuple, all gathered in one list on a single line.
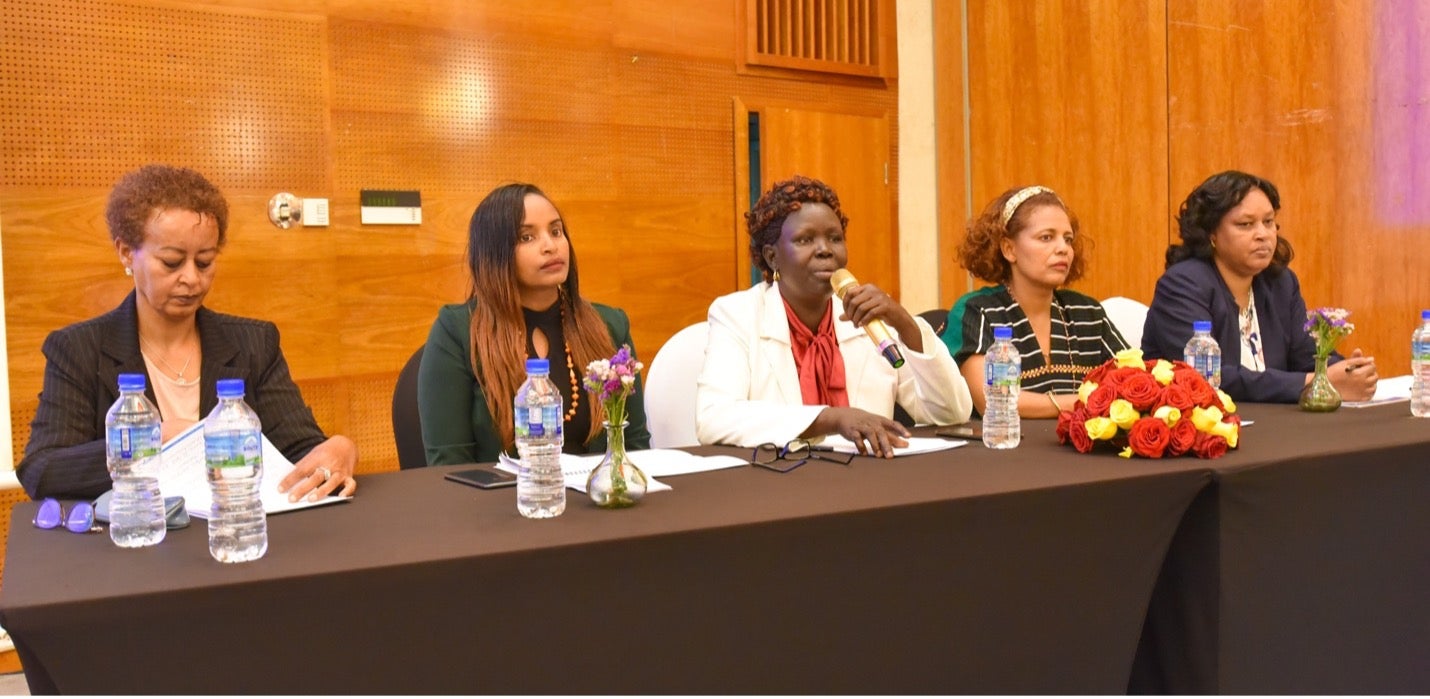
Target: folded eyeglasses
[(794, 454), (78, 519)]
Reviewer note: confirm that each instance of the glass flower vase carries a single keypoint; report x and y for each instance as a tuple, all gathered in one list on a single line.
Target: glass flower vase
[(1319, 396), (617, 482)]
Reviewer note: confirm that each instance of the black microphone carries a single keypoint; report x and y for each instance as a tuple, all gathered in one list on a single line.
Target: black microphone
[(875, 329)]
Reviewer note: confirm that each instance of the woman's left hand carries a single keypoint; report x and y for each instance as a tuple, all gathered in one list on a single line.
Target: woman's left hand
[(328, 467), (866, 302)]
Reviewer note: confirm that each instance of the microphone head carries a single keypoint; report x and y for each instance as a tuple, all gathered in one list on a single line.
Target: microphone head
[(842, 280)]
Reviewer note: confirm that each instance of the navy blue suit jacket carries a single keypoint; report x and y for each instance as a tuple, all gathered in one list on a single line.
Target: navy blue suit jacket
[(65, 455), (1193, 290)]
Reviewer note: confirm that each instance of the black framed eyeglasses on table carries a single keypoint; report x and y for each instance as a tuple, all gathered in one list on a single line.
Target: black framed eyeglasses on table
[(794, 454)]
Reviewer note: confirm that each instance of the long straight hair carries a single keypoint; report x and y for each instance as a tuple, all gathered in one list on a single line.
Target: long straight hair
[(498, 331)]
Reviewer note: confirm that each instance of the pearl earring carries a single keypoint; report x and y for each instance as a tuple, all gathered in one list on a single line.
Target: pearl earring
[(128, 272)]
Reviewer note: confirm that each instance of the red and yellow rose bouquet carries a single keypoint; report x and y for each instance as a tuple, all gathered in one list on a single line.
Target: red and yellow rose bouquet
[(1151, 409)]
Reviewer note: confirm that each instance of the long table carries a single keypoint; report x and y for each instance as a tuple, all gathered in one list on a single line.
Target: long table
[(1026, 571), (1305, 568), (968, 571)]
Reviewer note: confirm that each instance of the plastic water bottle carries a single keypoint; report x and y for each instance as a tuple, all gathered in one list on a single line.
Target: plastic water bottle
[(133, 440), (1002, 376), (1420, 368), (233, 450), (540, 487), (1203, 353)]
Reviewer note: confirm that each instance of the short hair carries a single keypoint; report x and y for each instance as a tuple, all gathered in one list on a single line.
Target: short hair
[(768, 215), (981, 251), (1201, 213), (140, 194)]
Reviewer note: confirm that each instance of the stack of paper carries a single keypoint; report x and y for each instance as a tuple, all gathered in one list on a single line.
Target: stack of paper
[(184, 473)]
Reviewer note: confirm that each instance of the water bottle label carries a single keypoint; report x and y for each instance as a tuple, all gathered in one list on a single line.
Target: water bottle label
[(1209, 367), (1000, 378), (551, 419), (134, 443), (233, 450)]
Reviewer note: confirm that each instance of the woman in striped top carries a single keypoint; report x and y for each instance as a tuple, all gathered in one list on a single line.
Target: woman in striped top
[(1027, 240)]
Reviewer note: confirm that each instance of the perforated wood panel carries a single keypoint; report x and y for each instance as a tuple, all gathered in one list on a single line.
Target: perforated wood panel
[(621, 111), (90, 89)]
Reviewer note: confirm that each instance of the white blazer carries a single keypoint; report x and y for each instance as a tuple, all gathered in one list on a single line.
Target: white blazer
[(748, 391)]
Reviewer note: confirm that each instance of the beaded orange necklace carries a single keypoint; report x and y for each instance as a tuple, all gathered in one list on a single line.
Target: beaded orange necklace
[(575, 383)]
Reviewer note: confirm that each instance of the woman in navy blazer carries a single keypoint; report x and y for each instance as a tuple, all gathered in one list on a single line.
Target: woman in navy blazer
[(1231, 269)]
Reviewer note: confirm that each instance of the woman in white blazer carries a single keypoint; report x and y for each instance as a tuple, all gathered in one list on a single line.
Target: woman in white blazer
[(786, 359)]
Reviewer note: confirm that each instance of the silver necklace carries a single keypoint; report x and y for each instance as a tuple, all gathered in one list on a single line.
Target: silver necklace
[(179, 381)]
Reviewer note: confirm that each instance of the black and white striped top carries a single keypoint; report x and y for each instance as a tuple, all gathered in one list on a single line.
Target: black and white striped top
[(1082, 336)]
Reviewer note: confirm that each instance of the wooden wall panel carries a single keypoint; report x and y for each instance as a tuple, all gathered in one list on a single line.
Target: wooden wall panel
[(1071, 94), (619, 109), (1302, 93), (952, 151)]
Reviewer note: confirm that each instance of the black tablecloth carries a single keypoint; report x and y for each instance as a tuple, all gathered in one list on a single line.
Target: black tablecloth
[(1305, 568), (1296, 564), (1026, 571)]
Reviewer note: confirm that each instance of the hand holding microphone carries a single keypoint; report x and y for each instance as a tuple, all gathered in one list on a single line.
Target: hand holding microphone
[(843, 281)]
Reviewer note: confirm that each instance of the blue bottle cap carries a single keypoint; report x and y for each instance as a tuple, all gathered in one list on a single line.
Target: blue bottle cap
[(230, 388), (132, 382), (1425, 316), (1002, 332), (1201, 326), (538, 366)]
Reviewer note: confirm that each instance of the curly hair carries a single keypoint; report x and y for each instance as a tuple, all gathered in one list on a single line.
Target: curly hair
[(140, 194), (1203, 210), (981, 251), (768, 215)]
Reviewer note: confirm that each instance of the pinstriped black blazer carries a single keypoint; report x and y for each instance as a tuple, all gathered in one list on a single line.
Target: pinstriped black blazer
[(65, 455)]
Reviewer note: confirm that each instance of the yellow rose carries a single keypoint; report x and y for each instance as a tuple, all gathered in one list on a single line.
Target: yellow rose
[(1162, 371), (1125, 453), (1204, 419), (1168, 414), (1122, 413), (1227, 431), (1132, 358), (1100, 428), (1085, 390), (1226, 401)]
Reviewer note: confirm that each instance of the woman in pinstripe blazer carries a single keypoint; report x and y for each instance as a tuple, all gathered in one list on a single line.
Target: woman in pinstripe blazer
[(168, 226)]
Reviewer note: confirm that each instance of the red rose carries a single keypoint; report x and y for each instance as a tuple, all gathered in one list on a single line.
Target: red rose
[(1184, 435), (1201, 392), (1099, 400), (1077, 431), (1176, 396), (1121, 374), (1097, 375), (1209, 446), (1064, 424), (1141, 390), (1149, 437)]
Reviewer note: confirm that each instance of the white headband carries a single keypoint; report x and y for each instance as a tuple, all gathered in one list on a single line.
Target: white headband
[(1021, 196)]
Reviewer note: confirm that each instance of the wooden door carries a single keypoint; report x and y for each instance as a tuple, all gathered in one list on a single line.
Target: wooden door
[(849, 152)]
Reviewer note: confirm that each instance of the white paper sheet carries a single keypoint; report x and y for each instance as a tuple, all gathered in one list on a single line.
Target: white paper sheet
[(1391, 390), (917, 445), (576, 468), (183, 473)]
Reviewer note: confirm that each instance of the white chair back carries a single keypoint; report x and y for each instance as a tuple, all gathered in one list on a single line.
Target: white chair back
[(670, 388), (1128, 315)]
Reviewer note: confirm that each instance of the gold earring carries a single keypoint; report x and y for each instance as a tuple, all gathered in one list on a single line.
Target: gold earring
[(777, 275)]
